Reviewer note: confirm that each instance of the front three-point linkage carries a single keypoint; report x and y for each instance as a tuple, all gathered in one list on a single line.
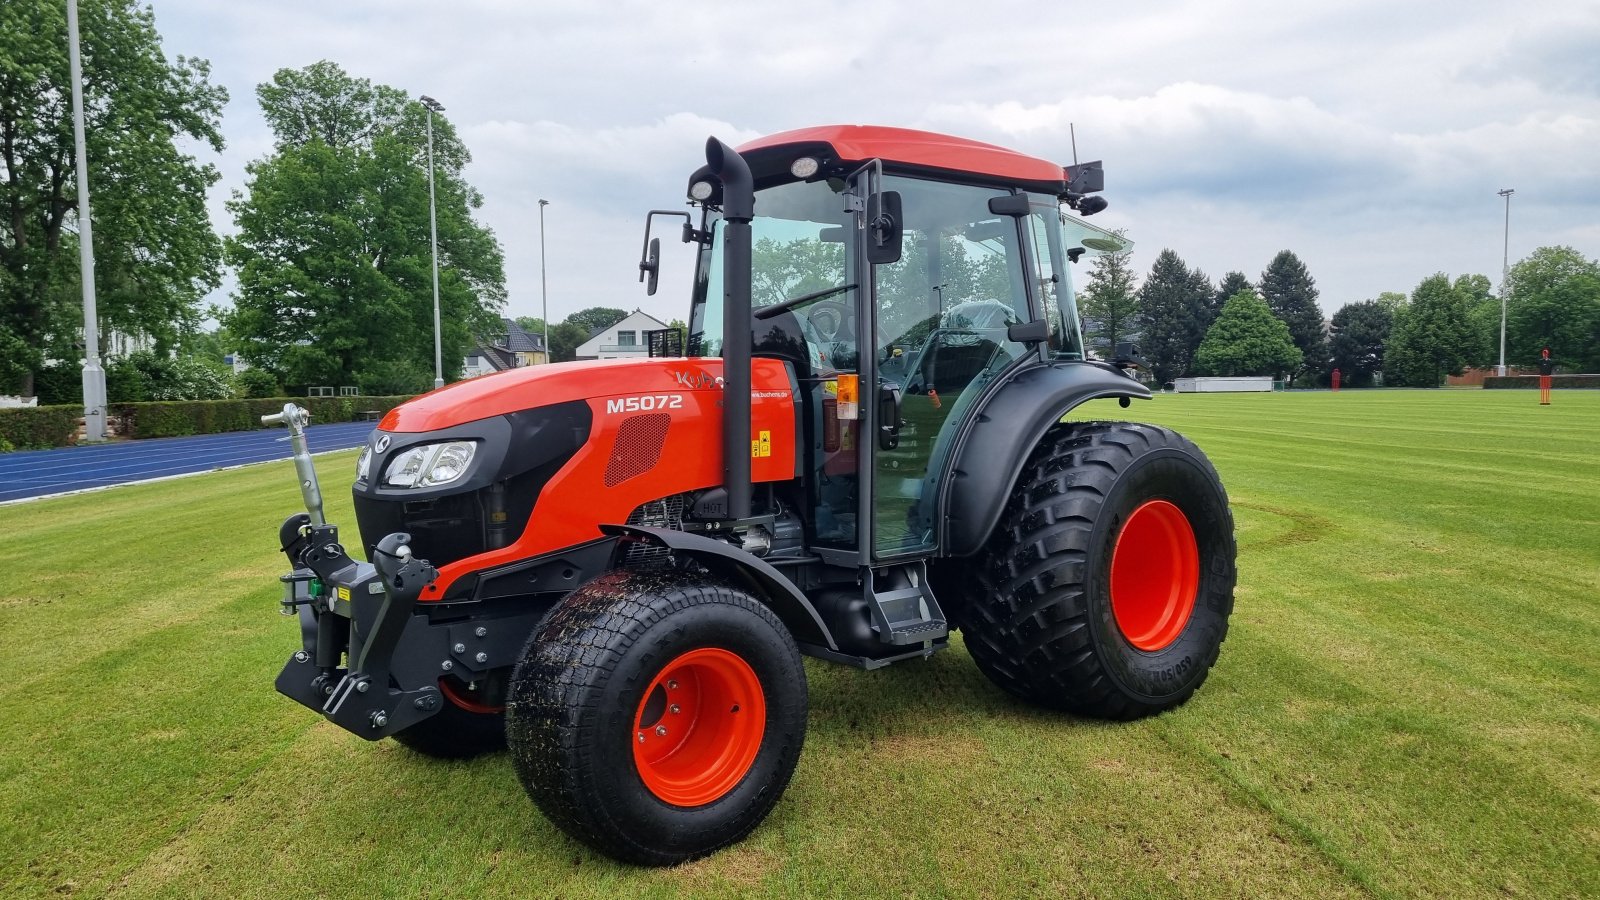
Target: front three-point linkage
[(351, 612)]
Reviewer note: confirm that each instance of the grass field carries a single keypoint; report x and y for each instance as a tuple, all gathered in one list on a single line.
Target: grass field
[(1408, 704)]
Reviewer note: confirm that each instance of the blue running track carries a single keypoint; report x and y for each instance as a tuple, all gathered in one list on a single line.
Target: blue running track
[(40, 473)]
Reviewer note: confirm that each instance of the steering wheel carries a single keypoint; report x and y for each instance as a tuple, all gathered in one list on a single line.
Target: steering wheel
[(829, 318)]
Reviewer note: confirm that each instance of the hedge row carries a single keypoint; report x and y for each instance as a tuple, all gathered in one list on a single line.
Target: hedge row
[(1532, 381), (38, 427), (181, 417)]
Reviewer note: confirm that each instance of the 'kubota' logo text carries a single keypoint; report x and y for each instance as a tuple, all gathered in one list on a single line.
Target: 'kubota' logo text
[(696, 380)]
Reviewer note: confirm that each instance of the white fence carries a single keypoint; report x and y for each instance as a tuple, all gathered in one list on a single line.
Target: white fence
[(1217, 385)]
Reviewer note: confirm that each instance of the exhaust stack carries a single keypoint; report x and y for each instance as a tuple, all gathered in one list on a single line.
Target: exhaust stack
[(738, 205)]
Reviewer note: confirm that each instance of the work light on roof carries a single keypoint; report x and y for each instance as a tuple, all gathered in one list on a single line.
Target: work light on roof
[(701, 190), (804, 167)]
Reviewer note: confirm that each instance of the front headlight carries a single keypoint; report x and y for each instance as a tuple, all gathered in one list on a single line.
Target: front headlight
[(364, 464), (429, 465)]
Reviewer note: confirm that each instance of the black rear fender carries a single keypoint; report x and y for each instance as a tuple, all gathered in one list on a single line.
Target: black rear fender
[(996, 442)]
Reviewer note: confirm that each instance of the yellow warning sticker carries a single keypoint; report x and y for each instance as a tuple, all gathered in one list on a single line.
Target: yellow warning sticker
[(762, 445), (344, 594)]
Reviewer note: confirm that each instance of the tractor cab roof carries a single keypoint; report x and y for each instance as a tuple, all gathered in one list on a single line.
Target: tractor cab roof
[(839, 147)]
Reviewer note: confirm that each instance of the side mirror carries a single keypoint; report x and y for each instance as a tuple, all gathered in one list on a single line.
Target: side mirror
[(885, 228), (650, 267)]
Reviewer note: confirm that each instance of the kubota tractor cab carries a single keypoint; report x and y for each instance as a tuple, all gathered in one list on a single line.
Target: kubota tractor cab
[(615, 566)]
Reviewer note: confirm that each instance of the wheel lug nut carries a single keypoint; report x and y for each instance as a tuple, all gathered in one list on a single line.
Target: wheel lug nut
[(674, 709), (641, 737), (672, 685), (661, 730)]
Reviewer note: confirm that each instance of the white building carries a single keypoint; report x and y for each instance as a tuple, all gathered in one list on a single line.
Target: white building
[(624, 340)]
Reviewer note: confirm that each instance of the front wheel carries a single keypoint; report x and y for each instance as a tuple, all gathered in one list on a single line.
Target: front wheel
[(1106, 588), (657, 716)]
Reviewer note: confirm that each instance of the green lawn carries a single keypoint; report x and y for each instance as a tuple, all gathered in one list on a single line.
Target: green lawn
[(1408, 704)]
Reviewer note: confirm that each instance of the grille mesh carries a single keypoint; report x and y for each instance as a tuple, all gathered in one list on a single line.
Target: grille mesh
[(638, 447)]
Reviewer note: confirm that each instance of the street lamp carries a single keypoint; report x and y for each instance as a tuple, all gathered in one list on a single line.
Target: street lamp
[(544, 292), (94, 377), (434, 106), (1505, 274)]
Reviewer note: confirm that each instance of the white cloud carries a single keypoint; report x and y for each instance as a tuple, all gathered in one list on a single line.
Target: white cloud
[(1368, 137)]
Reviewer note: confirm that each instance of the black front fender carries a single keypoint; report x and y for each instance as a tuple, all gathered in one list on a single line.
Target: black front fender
[(791, 606), (990, 451)]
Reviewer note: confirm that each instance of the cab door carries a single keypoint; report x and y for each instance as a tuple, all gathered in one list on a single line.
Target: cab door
[(941, 316)]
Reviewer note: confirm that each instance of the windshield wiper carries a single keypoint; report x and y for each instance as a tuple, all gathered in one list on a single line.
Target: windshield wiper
[(767, 312)]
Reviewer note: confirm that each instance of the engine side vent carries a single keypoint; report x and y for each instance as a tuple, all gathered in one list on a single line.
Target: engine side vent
[(638, 447)]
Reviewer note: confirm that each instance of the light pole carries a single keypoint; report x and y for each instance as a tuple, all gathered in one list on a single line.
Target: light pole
[(1505, 274), (94, 377), (434, 106), (544, 291)]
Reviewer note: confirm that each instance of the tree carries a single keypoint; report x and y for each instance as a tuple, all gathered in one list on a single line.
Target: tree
[(1232, 283), (596, 318), (1110, 303), (565, 339), (1172, 307), (1291, 294), (1360, 331), (1552, 303), (155, 252), (1430, 337), (1247, 339), (333, 255)]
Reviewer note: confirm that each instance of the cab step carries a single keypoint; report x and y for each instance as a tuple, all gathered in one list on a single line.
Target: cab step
[(904, 611)]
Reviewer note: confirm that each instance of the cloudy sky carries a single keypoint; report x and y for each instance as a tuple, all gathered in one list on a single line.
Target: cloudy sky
[(1370, 138)]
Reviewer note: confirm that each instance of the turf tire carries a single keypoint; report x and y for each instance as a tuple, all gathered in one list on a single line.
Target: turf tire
[(582, 680), (1036, 611)]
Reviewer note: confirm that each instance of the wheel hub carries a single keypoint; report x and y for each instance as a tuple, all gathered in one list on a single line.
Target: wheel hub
[(1155, 575), (699, 727)]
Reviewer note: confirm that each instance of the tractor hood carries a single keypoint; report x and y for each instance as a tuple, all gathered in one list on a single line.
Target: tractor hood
[(515, 390)]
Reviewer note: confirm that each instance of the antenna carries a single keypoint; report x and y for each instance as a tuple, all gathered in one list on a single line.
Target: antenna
[(1072, 130)]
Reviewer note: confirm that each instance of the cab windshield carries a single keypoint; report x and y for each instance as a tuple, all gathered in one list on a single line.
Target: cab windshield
[(797, 248)]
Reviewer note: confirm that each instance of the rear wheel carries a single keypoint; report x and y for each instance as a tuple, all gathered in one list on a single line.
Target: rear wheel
[(468, 724), (1106, 588), (657, 716)]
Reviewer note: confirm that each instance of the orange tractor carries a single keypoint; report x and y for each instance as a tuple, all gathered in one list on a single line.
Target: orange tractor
[(615, 567)]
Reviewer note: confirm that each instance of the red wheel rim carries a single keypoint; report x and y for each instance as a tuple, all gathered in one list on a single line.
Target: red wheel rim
[(1155, 575), (699, 726), (466, 699)]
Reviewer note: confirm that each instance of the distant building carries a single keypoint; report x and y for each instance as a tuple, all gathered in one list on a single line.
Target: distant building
[(624, 340), (511, 349)]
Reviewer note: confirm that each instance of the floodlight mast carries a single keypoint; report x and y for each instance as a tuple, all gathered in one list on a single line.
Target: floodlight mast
[(94, 377), (1505, 274), (434, 106)]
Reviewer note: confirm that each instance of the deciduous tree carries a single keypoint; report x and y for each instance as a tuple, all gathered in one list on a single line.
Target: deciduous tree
[(1555, 303), (333, 254), (155, 252), (1430, 337)]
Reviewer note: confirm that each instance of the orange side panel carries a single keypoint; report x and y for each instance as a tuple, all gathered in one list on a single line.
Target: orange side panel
[(657, 432)]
